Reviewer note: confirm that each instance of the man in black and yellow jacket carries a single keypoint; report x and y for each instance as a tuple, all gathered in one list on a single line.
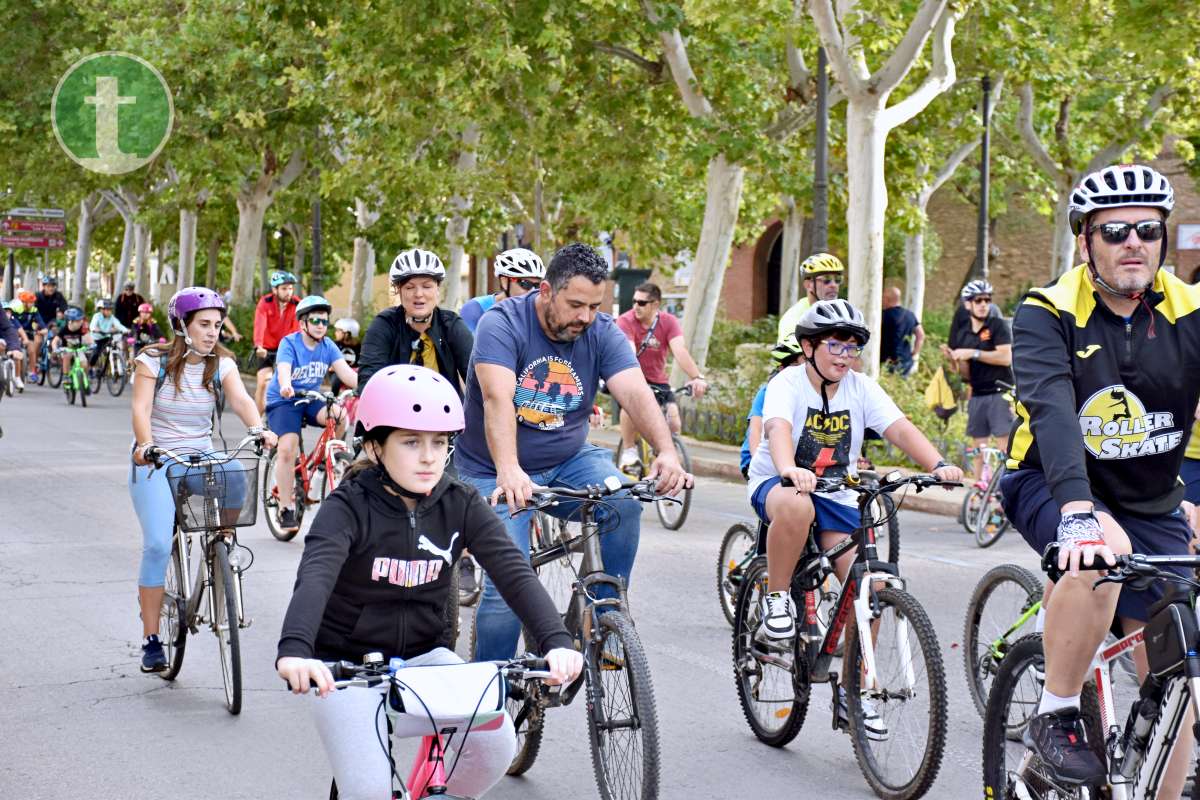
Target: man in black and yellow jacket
[(1107, 364)]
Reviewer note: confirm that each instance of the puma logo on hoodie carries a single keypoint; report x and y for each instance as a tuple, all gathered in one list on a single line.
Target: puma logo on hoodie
[(400, 572)]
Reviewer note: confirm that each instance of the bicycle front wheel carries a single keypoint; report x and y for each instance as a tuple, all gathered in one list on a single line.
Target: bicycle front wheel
[(172, 622), (993, 624), (54, 373), (990, 520), (737, 550), (101, 372), (528, 713), (225, 626), (116, 376), (900, 750), (270, 501), (330, 478), (557, 576), (773, 682), (673, 511), (968, 514), (622, 720)]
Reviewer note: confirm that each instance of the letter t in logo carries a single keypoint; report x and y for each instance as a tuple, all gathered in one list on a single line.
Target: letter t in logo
[(107, 101)]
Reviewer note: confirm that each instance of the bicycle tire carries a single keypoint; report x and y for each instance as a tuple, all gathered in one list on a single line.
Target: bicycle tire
[(932, 686), (450, 610), (172, 625), (10, 375), (117, 377), (558, 576), (341, 463), (632, 682), (468, 598), (225, 626), (673, 514), (69, 391), (54, 373), (532, 727), (1025, 655), (990, 520), (83, 397), (969, 511), (271, 502), (887, 537), (749, 671), (732, 556), (981, 666), (101, 370)]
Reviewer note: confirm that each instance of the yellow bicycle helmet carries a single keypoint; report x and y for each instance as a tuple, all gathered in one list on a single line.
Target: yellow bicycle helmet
[(821, 264), (787, 351)]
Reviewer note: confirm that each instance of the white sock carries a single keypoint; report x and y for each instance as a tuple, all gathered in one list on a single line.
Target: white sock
[(1052, 702)]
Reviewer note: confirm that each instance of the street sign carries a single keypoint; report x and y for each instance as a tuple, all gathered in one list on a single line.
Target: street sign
[(37, 244), (42, 213), (8, 224)]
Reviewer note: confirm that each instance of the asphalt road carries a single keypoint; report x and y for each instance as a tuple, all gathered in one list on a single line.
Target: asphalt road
[(80, 720)]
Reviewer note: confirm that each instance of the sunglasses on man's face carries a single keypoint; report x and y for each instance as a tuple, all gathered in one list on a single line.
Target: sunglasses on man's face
[(981, 299), (643, 302), (1148, 230), (527, 284), (318, 320)]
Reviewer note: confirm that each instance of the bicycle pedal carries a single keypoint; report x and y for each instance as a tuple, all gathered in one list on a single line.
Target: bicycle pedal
[(246, 622)]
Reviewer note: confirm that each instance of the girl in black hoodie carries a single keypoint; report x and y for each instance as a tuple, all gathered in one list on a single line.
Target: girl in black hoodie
[(375, 577)]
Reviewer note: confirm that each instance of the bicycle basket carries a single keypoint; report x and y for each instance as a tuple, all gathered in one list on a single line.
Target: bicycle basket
[(212, 496)]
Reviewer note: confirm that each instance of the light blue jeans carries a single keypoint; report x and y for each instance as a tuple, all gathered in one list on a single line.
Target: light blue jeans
[(150, 491), (498, 627)]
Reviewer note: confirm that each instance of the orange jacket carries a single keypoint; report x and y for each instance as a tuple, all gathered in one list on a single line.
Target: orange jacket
[(272, 323)]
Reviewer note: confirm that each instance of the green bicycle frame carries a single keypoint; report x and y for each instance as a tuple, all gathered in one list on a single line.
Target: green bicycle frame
[(78, 375), (997, 647)]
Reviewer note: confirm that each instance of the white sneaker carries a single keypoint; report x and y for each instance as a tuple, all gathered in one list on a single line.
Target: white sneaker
[(629, 457), (17, 382), (778, 617), (872, 722)]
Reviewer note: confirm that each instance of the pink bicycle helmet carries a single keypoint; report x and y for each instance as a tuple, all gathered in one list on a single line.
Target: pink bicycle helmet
[(411, 397), (146, 307)]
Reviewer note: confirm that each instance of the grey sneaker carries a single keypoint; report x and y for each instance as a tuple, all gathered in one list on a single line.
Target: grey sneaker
[(778, 617)]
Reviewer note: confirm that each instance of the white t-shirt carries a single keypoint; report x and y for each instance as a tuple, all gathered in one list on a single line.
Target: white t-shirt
[(183, 419), (828, 445)]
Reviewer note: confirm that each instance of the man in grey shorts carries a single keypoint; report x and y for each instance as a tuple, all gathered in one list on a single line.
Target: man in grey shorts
[(982, 354)]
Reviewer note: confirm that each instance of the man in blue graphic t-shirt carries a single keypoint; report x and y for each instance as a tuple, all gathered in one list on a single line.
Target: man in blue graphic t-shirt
[(537, 363), (301, 362)]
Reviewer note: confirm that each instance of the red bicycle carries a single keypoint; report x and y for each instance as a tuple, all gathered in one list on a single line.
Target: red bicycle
[(322, 467)]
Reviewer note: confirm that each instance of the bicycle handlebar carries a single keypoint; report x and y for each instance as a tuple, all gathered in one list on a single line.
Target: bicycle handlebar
[(643, 490), (158, 455), (307, 396), (1132, 568), (888, 483), (347, 674)]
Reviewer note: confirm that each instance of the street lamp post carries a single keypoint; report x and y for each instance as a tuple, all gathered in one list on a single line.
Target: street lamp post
[(820, 229), (981, 237)]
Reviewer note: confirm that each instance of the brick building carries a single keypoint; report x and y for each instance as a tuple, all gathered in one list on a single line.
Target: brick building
[(1020, 249)]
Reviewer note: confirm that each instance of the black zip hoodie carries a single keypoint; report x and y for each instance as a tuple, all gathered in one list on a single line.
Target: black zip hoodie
[(375, 577)]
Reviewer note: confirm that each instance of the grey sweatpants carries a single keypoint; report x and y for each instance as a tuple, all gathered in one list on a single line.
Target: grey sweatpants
[(351, 725)]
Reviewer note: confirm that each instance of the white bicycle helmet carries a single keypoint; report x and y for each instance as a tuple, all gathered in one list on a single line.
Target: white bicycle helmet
[(349, 325), (827, 316), (519, 263), (1118, 186), (414, 262), (975, 288)]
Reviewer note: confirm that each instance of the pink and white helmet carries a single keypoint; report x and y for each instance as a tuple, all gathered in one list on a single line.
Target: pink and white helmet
[(411, 397)]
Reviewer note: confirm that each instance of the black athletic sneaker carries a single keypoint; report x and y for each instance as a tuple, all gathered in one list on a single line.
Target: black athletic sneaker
[(287, 519), (466, 575), (1059, 740), (153, 657)]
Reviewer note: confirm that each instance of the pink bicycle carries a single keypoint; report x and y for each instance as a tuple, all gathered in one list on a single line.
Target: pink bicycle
[(454, 699)]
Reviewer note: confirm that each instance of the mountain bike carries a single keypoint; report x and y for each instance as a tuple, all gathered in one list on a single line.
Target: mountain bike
[(214, 496), (111, 367), (543, 528), (671, 514), (622, 720), (451, 700), (739, 546), (893, 666), (76, 380), (328, 460), (1135, 753)]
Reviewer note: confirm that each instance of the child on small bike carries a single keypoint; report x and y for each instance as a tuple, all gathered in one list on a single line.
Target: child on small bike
[(104, 327), (375, 577), (144, 329), (71, 332), (815, 415), (301, 362)]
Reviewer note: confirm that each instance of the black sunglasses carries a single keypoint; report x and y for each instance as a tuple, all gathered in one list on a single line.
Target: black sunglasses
[(643, 302), (980, 299), (1148, 230), (528, 285)]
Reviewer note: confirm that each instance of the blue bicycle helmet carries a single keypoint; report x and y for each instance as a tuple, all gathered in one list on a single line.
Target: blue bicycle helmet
[(74, 314), (280, 277)]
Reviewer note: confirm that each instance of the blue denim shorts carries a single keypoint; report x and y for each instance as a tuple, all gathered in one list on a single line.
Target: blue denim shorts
[(831, 515)]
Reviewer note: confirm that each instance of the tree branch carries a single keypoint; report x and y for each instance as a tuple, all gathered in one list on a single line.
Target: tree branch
[(793, 117), (295, 166), (676, 54), (941, 75), (1115, 150), (826, 23), (1029, 136), (655, 68), (798, 74), (931, 13)]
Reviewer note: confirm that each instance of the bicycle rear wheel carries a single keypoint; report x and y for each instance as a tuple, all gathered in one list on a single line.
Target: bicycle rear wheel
[(909, 696), (773, 682), (1009, 770), (225, 626), (101, 371), (673, 511), (1000, 598), (622, 720), (557, 576), (968, 514), (172, 622), (990, 520), (54, 373), (737, 550)]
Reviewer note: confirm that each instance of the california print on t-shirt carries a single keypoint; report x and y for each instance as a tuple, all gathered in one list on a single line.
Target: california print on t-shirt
[(547, 389)]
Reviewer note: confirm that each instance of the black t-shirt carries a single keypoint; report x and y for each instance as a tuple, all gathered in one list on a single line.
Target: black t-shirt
[(49, 305), (898, 325), (995, 331)]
